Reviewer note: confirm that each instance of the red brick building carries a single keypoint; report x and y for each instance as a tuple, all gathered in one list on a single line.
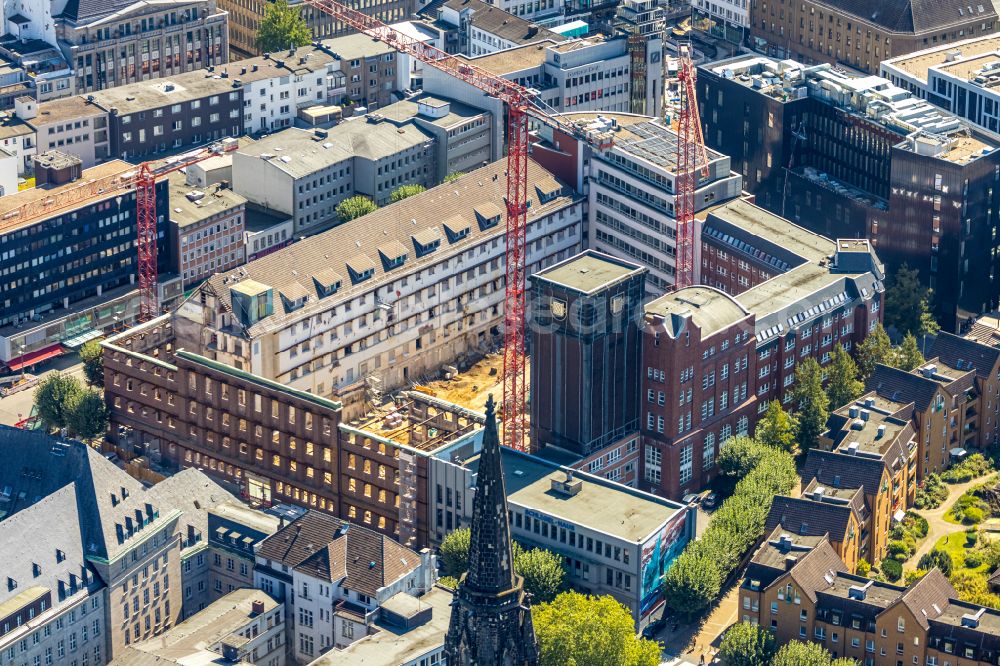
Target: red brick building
[(716, 355)]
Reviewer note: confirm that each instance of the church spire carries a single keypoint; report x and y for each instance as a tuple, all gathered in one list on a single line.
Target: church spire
[(490, 614), (491, 564)]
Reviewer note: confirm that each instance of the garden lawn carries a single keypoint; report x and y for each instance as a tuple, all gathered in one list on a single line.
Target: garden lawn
[(955, 545)]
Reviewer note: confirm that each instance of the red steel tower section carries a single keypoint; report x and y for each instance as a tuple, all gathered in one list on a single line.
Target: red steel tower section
[(692, 162), (520, 104), (145, 204)]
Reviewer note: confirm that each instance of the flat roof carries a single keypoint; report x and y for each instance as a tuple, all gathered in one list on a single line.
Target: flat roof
[(156, 93), (512, 60), (33, 198), (589, 271), (190, 204), (916, 64), (65, 108), (601, 505), (408, 109), (244, 515), (391, 646)]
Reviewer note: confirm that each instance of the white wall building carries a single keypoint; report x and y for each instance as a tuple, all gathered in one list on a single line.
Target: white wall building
[(389, 297)]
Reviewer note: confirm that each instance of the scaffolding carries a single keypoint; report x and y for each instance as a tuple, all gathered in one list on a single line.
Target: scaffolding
[(407, 498)]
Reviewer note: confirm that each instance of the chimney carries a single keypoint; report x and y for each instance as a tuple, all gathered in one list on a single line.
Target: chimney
[(257, 607), (869, 402), (785, 543), (881, 430), (865, 414), (853, 411), (790, 562), (852, 448)]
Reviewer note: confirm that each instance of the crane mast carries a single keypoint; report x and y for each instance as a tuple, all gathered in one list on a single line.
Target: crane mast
[(692, 163)]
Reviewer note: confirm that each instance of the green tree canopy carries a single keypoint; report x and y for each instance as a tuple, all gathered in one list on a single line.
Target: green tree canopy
[(93, 363), (776, 428), (813, 403), (907, 303), (453, 176), (797, 653), (354, 207), (936, 558), (842, 379), (740, 455), (692, 582), (575, 629), (404, 191), (542, 571), (454, 552), (873, 350), (746, 644), (907, 356), (282, 27), (87, 413), (53, 397)]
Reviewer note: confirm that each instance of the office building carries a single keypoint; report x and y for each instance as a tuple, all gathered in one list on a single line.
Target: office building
[(206, 229), (585, 345), (861, 35), (615, 540), (234, 532), (84, 280), (113, 44), (473, 27), (853, 156)]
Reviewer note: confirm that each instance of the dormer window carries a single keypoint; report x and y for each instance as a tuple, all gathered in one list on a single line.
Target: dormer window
[(294, 296), (393, 255), (456, 228), (548, 190), (426, 241), (488, 215), (327, 282), (360, 268)]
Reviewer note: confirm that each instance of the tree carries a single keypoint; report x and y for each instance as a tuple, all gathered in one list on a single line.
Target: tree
[(873, 350), (842, 385), (282, 27), (52, 399), (93, 363), (454, 552), (692, 582), (776, 428), (542, 571), (404, 191), (813, 403), (907, 304), (740, 455), (864, 568), (797, 653), (453, 176), (87, 413), (581, 630), (907, 356), (746, 644), (354, 207), (936, 558)]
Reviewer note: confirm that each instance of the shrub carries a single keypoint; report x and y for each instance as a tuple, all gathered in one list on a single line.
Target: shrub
[(973, 515), (893, 569), (864, 568), (899, 550), (971, 537), (918, 524), (936, 558), (973, 560), (932, 494), (972, 467)]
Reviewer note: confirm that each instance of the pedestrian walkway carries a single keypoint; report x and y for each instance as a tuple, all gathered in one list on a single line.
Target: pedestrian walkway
[(937, 526)]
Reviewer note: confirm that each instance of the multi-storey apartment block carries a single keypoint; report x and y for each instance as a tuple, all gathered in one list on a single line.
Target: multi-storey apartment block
[(206, 229)]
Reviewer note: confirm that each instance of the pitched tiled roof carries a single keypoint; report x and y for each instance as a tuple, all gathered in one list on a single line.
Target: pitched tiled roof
[(839, 470), (809, 517), (901, 386), (914, 16), (963, 354), (928, 596), (816, 569), (326, 547)]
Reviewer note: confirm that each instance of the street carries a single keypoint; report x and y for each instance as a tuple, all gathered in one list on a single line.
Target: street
[(16, 407)]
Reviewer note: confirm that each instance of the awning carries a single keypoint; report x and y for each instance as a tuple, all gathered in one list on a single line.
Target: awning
[(958, 452), (79, 340), (37, 356), (899, 515)]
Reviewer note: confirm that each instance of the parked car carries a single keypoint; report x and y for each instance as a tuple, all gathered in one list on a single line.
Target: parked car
[(692, 498), (710, 500), (653, 628)]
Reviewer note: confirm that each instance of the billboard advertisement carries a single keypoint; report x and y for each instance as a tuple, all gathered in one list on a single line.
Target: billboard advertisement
[(657, 554)]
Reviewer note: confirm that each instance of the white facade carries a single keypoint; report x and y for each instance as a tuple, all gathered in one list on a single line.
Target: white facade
[(71, 632), (271, 104), (731, 12), (8, 172), (631, 212), (533, 10)]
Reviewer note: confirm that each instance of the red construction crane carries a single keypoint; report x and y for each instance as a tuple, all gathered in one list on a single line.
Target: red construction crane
[(143, 178), (692, 162), (520, 104)]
